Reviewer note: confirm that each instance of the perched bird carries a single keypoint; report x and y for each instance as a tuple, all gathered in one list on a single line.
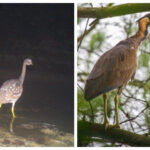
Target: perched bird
[(115, 68), (11, 90)]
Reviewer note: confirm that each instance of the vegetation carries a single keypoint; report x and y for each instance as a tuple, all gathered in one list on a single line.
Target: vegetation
[(94, 38)]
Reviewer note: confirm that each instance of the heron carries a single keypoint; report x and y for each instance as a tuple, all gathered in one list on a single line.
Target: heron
[(12, 89), (115, 68)]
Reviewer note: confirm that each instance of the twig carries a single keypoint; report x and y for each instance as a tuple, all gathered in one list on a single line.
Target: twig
[(134, 98), (80, 87), (91, 111), (83, 34), (133, 118), (93, 25)]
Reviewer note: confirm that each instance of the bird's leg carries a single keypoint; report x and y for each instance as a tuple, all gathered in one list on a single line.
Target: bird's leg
[(106, 123), (12, 110), (116, 111), (0, 105)]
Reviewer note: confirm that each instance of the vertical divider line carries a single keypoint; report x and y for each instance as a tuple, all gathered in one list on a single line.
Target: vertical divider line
[(75, 74)]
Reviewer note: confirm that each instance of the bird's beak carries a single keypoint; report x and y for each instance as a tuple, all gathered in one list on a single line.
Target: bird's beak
[(138, 20)]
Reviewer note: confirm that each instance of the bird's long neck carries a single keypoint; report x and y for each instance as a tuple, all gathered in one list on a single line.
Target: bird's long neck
[(23, 72), (141, 33)]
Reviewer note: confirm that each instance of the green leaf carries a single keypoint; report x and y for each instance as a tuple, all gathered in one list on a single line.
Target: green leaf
[(143, 60), (96, 40)]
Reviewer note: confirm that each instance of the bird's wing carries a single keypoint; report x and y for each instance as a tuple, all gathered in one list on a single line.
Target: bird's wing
[(112, 60), (132, 78), (113, 69), (11, 90)]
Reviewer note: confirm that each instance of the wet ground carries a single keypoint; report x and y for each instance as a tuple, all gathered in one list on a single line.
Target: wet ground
[(27, 131), (44, 112)]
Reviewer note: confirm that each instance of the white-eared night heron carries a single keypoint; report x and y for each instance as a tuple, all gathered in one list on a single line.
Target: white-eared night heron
[(115, 68)]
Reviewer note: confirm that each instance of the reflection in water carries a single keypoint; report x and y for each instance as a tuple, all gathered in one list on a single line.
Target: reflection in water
[(44, 115), (27, 132), (11, 124)]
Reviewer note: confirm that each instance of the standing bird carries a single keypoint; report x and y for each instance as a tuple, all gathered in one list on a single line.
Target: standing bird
[(11, 90), (115, 68)]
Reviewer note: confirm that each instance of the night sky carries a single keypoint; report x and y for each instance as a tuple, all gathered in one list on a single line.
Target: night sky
[(44, 33)]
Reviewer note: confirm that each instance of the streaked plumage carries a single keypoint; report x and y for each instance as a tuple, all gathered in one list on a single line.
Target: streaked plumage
[(11, 90)]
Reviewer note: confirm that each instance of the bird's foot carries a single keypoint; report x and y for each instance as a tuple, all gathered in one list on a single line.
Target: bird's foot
[(108, 126), (115, 126)]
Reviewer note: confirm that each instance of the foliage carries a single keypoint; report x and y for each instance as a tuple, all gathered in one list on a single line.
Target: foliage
[(134, 114), (84, 108), (96, 40)]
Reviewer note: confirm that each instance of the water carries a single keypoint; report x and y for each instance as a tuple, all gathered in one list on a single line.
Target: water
[(44, 113), (28, 131)]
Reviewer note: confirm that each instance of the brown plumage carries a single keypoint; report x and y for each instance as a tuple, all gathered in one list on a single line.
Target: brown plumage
[(117, 66)]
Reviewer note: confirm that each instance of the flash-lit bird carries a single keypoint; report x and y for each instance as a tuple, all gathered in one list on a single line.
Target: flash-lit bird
[(115, 68), (11, 90)]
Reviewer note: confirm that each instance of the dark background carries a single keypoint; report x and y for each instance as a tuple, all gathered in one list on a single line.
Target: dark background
[(44, 33)]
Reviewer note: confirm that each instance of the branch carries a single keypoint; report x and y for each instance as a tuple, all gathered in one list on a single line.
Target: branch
[(88, 31), (139, 83), (113, 11), (87, 130)]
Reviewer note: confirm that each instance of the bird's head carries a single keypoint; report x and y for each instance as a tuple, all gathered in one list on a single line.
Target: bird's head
[(28, 61), (145, 20)]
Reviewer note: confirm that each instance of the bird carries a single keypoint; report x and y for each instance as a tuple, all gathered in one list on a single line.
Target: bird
[(12, 89), (115, 68)]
